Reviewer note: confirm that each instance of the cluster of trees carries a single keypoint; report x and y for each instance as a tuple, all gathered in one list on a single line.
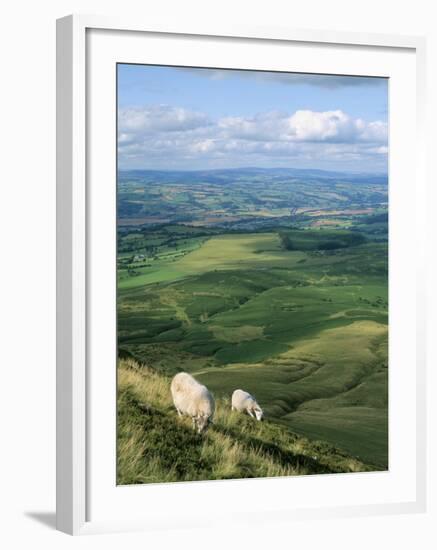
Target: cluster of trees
[(307, 240), (375, 218)]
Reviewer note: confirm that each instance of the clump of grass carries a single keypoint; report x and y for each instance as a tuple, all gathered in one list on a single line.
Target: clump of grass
[(155, 445)]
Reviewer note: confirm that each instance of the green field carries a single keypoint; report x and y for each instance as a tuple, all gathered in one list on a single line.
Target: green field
[(220, 252), (302, 327)]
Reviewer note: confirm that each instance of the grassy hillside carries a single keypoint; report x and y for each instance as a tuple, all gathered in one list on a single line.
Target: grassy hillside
[(303, 330), (155, 445), (315, 390), (275, 281)]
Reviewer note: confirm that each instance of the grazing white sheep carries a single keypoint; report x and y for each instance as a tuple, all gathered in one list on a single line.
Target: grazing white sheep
[(192, 399), (242, 401)]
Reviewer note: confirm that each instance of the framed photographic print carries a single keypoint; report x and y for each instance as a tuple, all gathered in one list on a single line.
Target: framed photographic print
[(240, 275)]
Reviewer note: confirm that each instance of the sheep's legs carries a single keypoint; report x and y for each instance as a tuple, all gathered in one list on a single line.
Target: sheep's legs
[(179, 412), (250, 413)]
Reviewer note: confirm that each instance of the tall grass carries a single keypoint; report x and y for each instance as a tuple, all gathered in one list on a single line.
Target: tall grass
[(155, 445)]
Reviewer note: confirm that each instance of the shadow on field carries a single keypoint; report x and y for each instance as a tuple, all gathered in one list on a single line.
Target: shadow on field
[(285, 458)]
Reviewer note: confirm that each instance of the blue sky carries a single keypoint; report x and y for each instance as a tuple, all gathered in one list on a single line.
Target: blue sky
[(187, 118)]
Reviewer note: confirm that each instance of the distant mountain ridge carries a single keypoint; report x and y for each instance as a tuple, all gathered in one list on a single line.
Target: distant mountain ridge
[(224, 175)]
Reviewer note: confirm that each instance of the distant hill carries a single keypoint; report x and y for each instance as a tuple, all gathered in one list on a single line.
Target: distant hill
[(225, 175), (248, 196)]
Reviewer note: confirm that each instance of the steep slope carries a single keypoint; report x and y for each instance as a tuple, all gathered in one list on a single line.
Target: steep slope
[(154, 445)]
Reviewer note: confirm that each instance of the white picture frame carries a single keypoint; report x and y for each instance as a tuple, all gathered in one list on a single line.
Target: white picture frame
[(76, 309)]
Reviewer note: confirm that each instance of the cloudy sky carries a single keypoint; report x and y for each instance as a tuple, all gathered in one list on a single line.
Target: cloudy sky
[(189, 119)]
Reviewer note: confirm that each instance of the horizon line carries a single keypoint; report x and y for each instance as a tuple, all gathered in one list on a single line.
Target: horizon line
[(249, 168)]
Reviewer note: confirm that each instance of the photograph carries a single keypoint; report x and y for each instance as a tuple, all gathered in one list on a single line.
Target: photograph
[(252, 274)]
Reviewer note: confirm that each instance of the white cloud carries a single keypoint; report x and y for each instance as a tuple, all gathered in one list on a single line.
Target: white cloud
[(172, 136), (203, 146), (323, 126), (376, 131), (264, 126), (160, 118), (304, 125)]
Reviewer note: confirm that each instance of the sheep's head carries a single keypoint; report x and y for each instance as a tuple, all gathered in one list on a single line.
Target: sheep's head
[(259, 413), (202, 423)]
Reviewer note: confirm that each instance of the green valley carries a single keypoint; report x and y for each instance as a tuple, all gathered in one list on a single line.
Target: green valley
[(273, 282)]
